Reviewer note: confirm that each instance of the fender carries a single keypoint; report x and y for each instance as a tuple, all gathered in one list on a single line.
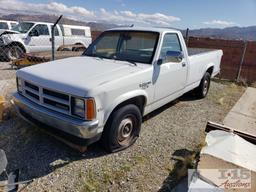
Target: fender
[(122, 98), (209, 65), (86, 42)]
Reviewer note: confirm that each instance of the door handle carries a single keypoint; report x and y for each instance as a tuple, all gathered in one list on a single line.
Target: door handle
[(183, 64)]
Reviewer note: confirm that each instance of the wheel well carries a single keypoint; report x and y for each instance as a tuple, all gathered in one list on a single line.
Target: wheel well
[(210, 70), (139, 101), (79, 44), (18, 44)]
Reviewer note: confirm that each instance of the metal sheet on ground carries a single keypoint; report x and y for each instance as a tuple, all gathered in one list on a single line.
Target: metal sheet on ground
[(242, 116)]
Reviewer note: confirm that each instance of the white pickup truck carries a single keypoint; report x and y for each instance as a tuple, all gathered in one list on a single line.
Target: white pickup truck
[(125, 74), (36, 36)]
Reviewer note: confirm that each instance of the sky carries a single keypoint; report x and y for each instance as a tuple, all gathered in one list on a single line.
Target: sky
[(167, 13)]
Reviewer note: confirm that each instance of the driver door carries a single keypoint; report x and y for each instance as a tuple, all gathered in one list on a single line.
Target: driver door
[(39, 38), (171, 73)]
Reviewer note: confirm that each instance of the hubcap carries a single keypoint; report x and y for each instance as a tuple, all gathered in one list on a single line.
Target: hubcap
[(205, 89), (125, 129)]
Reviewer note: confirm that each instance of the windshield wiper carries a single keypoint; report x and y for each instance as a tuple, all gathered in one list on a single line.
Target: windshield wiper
[(128, 60), (132, 62)]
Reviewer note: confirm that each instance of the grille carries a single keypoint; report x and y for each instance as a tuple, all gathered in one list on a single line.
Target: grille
[(1, 41), (48, 98)]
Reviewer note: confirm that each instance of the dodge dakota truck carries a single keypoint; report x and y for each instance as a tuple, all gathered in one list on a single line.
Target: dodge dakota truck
[(32, 36), (124, 74)]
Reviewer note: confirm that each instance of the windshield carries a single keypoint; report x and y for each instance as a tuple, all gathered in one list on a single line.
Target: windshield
[(134, 46), (3, 25), (23, 27)]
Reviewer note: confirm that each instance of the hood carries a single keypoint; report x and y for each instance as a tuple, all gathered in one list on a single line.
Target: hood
[(5, 32), (78, 75)]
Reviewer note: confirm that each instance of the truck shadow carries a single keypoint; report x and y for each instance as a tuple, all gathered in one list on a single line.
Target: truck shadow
[(186, 97)]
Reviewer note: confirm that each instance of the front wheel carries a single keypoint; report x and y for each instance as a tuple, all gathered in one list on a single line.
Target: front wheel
[(14, 52), (203, 89), (122, 129)]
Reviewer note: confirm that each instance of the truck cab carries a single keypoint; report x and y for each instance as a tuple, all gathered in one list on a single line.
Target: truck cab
[(125, 74)]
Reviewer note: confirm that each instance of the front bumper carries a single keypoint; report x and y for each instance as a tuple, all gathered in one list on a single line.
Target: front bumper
[(75, 130)]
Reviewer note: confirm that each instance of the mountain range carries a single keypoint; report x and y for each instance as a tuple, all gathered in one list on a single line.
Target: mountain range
[(231, 33)]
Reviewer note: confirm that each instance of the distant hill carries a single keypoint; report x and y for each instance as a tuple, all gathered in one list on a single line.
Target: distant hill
[(241, 33), (52, 18), (237, 33)]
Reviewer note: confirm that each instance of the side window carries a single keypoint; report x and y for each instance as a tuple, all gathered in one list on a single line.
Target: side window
[(3, 25), (79, 32), (170, 43), (41, 29), (56, 31), (13, 25)]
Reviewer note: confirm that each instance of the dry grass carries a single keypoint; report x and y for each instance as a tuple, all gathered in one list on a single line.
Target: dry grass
[(225, 97)]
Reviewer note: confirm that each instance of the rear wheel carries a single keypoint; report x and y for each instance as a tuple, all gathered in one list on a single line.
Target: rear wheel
[(122, 129), (79, 47), (203, 89)]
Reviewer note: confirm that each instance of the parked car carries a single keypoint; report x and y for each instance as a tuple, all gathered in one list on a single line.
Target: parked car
[(36, 36), (125, 74), (7, 25)]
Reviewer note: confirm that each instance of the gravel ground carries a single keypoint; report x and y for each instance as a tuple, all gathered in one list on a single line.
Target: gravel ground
[(6, 72), (146, 166)]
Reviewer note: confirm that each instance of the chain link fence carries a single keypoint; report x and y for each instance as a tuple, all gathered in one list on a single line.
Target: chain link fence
[(34, 42), (238, 62)]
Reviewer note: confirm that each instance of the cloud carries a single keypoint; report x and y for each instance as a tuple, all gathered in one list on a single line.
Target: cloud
[(220, 23), (128, 17), (81, 13)]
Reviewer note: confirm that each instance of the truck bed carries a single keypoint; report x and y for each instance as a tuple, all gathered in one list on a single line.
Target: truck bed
[(197, 51)]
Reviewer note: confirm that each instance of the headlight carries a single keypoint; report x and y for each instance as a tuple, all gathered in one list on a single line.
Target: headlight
[(83, 108), (19, 85)]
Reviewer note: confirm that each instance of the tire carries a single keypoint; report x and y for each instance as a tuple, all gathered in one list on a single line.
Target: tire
[(203, 89), (76, 49), (14, 52), (122, 129)]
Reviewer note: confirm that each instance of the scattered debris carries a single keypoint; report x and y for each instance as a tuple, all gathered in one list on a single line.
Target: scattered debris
[(224, 163)]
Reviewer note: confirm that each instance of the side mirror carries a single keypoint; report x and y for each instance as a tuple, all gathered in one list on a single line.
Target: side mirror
[(159, 61), (34, 33), (174, 56)]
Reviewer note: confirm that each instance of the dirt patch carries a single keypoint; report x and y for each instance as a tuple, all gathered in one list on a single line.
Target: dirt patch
[(6, 71)]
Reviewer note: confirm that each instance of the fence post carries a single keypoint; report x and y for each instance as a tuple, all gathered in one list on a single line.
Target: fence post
[(242, 61), (53, 37), (187, 36)]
